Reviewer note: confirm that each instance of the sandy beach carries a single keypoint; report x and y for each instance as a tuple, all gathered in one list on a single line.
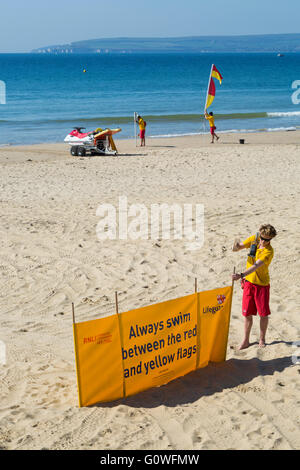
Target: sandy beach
[(50, 257)]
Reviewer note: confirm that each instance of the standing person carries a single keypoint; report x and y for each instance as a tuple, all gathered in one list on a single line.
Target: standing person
[(142, 126), (256, 281), (211, 120)]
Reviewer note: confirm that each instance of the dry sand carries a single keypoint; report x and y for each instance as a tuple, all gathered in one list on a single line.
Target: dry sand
[(50, 257)]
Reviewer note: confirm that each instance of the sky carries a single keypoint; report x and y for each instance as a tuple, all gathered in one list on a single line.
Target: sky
[(29, 24)]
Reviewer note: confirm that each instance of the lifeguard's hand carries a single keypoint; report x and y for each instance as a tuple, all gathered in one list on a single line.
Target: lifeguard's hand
[(236, 277)]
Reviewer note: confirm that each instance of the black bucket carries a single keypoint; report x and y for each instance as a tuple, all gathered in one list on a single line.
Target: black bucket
[(242, 141)]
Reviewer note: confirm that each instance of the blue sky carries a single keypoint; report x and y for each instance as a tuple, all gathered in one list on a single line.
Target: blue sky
[(28, 24)]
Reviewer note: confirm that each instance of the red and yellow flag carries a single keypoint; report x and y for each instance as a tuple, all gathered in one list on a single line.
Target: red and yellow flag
[(211, 92), (216, 74)]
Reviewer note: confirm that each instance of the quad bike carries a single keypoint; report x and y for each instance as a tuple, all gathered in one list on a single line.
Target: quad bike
[(97, 142)]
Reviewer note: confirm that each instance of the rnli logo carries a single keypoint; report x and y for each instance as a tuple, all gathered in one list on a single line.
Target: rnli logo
[(220, 299)]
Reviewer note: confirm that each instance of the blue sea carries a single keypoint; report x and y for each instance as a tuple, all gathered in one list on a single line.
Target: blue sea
[(47, 95)]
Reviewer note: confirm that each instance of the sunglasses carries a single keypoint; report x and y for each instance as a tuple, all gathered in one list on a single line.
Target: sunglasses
[(265, 239)]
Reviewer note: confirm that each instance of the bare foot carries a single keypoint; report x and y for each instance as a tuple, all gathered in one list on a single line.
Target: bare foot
[(244, 345), (262, 344)]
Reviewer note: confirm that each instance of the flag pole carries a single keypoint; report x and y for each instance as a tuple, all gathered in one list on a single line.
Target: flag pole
[(208, 86), (134, 123)]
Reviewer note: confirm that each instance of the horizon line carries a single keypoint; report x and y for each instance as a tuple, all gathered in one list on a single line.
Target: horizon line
[(152, 37)]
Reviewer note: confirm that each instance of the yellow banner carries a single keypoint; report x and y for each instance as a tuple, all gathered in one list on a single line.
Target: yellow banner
[(213, 320), (124, 354), (159, 343), (98, 360)]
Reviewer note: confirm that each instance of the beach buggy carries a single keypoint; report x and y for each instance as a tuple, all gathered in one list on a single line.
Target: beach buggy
[(97, 142)]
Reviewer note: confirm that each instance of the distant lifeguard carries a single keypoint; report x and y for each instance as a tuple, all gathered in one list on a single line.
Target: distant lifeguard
[(142, 125), (211, 120)]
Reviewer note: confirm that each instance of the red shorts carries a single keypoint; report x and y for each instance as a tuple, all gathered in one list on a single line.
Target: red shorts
[(256, 299), (212, 130), (142, 134)]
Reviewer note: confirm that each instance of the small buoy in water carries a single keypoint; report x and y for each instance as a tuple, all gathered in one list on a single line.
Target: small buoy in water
[(84, 70)]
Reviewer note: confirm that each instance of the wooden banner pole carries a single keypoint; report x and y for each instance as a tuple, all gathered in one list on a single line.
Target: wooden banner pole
[(232, 279), (73, 313), (232, 289), (117, 305), (198, 324), (121, 340), (76, 357)]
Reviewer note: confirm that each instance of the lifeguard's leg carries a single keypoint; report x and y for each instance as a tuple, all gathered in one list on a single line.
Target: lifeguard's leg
[(262, 299), (248, 310), (247, 330), (263, 329)]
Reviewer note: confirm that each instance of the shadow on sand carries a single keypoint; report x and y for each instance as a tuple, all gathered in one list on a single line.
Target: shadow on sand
[(212, 379)]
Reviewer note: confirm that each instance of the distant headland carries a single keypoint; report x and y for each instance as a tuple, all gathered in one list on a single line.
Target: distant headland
[(275, 43)]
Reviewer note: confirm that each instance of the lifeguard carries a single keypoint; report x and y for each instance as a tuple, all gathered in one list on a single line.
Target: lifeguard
[(211, 120), (142, 125), (256, 281)]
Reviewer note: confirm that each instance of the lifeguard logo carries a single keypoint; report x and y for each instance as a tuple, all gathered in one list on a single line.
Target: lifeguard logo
[(220, 299), (98, 339)]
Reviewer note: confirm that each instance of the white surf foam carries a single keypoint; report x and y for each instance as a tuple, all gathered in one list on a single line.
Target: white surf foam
[(284, 114)]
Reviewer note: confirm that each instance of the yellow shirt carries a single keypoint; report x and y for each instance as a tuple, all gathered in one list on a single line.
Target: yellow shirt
[(261, 275), (211, 120), (141, 124)]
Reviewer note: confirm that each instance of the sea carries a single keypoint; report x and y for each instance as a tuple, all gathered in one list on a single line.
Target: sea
[(44, 96)]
